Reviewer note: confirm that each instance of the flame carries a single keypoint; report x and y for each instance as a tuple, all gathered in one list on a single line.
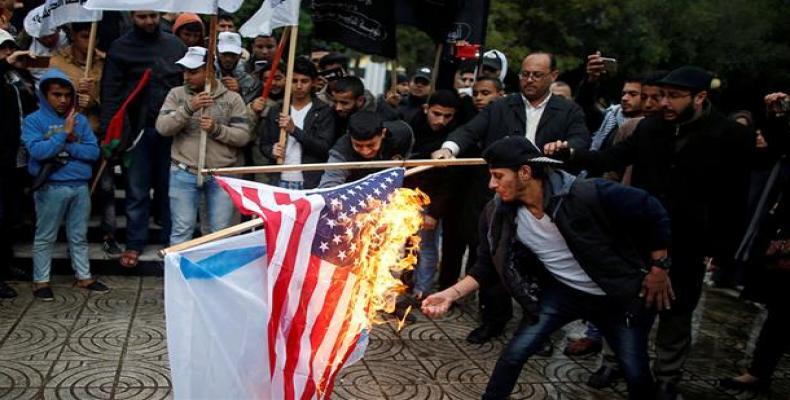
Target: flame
[(388, 242)]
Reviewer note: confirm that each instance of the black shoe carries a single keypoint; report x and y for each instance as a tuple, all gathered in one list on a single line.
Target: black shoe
[(6, 292), (668, 391), (484, 333), (604, 377), (94, 286), (44, 294), (112, 248), (756, 386)]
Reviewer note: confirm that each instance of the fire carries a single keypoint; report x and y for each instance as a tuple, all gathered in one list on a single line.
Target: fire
[(388, 242)]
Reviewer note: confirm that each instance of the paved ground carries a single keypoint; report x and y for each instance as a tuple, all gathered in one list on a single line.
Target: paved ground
[(112, 346)]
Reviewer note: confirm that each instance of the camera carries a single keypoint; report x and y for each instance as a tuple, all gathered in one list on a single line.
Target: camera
[(609, 65)]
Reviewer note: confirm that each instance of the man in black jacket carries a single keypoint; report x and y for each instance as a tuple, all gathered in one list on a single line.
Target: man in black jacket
[(369, 138), (540, 117), (145, 46), (684, 158), (430, 129), (591, 249), (534, 113), (310, 126)]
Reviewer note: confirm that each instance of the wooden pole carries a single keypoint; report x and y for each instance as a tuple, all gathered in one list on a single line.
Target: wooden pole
[(243, 227), (91, 49), (347, 165), (394, 76), (436, 62), (288, 84), (212, 47), (99, 173)]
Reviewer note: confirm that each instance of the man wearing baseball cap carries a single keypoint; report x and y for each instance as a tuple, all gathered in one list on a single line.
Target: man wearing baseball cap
[(684, 157), (188, 111), (419, 89), (551, 238), (231, 70)]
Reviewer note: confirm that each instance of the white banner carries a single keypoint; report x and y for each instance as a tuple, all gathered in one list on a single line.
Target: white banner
[(272, 15), (46, 18), (192, 6)]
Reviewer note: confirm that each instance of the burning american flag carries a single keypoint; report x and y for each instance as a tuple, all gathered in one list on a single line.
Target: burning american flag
[(329, 256)]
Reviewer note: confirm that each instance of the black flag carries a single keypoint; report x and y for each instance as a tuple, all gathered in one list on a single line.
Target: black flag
[(365, 26)]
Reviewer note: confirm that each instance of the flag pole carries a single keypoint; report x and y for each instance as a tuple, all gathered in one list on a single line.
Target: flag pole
[(278, 54), (212, 46), (91, 49), (436, 62), (394, 75), (243, 227), (288, 84), (452, 162)]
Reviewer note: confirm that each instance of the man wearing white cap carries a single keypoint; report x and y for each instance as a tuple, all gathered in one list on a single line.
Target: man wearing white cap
[(189, 110), (231, 70)]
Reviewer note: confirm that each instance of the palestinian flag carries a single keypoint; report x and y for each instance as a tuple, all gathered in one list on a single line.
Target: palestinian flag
[(126, 125)]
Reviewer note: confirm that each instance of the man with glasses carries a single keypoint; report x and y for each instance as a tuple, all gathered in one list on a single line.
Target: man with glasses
[(686, 160), (540, 117)]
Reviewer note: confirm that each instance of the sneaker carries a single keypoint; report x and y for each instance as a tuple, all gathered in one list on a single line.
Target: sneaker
[(6, 292), (112, 248), (94, 286), (44, 294)]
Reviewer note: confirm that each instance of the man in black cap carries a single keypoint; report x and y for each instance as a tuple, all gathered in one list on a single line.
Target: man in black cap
[(535, 114), (562, 240), (684, 157), (419, 89)]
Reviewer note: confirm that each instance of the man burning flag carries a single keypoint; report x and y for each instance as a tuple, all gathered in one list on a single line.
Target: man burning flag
[(325, 274)]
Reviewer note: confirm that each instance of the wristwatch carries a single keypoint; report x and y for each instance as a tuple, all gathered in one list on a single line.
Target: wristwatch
[(663, 263)]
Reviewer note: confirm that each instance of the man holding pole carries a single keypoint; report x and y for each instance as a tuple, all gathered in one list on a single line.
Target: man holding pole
[(145, 46), (309, 128), (187, 111), (230, 69)]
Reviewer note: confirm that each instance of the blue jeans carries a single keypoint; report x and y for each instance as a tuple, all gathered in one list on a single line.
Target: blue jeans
[(429, 259), (54, 204), (559, 305), (185, 201), (148, 169), (292, 185)]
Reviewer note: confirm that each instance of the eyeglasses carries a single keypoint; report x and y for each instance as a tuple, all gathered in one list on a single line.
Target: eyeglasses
[(536, 75)]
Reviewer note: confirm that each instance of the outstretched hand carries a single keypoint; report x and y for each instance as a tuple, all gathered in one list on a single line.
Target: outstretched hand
[(657, 289), (436, 305)]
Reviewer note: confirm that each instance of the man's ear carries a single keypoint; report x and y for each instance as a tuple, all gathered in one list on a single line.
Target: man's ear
[(524, 172), (384, 132), (700, 97), (360, 101), (425, 108)]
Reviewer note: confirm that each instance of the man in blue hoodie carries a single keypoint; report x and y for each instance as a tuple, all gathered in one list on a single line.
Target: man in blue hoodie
[(62, 150)]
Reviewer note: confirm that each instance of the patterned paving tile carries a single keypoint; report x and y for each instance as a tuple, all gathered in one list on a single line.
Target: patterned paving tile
[(87, 346)]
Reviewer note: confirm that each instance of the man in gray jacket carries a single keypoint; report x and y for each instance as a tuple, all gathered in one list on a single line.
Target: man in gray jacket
[(189, 110)]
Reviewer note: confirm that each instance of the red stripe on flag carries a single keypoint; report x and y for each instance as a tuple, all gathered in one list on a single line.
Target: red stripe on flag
[(298, 325), (331, 384), (321, 326), (336, 349), (283, 280)]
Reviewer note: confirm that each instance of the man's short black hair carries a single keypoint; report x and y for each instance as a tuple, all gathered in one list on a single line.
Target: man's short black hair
[(77, 27), (333, 58), (225, 16), (47, 85), (634, 79), (303, 66), (364, 125), (444, 98), (494, 81), (350, 84), (467, 67)]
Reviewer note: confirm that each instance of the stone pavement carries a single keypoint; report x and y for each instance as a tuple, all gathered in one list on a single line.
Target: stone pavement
[(112, 346)]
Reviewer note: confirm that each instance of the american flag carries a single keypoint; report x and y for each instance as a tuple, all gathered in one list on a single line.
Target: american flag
[(311, 237)]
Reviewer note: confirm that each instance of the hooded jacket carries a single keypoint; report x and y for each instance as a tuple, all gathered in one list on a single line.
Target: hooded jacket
[(609, 228), (128, 58), (44, 138), (249, 86), (224, 145)]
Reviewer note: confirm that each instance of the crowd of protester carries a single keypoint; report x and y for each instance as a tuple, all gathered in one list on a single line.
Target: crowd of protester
[(683, 189)]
